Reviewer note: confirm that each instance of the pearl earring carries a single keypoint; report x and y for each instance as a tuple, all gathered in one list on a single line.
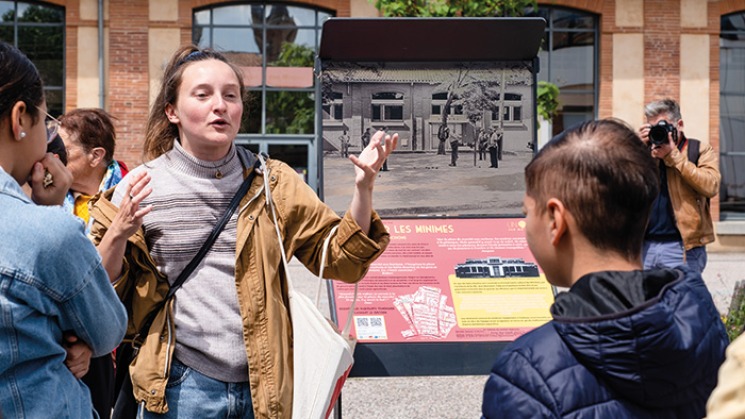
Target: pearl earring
[(23, 134)]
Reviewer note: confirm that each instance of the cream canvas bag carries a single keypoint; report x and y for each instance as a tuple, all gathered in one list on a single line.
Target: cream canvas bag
[(322, 356)]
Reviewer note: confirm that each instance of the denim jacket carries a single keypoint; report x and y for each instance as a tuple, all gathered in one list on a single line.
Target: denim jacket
[(51, 282)]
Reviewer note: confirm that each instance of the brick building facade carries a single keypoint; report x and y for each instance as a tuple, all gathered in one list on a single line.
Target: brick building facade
[(646, 50)]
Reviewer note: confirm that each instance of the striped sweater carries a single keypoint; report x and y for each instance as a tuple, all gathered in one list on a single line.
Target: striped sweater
[(187, 201)]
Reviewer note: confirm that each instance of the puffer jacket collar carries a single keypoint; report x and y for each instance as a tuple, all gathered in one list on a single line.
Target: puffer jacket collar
[(641, 332)]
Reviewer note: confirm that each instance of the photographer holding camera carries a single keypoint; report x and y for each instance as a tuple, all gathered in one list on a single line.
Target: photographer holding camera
[(680, 224)]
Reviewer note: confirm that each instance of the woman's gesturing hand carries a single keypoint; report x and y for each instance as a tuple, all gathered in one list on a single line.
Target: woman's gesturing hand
[(129, 217), (372, 157)]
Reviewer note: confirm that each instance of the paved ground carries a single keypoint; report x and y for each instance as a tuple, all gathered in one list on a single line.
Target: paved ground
[(422, 184)]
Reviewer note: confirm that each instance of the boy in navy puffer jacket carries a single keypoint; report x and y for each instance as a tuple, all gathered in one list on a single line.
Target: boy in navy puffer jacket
[(623, 342)]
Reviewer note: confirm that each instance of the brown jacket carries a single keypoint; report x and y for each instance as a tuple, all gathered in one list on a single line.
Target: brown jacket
[(691, 186), (261, 284)]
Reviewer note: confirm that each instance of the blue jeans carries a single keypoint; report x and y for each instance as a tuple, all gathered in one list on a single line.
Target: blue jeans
[(191, 394), (697, 258), (670, 254)]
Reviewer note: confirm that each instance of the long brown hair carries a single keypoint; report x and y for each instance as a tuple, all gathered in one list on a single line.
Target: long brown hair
[(160, 131)]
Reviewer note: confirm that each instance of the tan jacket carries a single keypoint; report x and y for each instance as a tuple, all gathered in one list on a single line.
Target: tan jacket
[(261, 284), (727, 401), (691, 187)]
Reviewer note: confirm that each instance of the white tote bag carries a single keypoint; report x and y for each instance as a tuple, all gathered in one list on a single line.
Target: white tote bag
[(322, 356)]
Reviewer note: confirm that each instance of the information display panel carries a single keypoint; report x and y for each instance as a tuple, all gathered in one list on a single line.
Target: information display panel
[(449, 280), (457, 281)]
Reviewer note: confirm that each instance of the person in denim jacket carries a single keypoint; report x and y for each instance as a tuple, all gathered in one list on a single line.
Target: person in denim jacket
[(57, 306)]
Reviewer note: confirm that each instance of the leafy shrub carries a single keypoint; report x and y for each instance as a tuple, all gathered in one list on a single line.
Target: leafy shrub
[(735, 321)]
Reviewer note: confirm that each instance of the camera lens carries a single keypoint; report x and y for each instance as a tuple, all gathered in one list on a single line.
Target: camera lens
[(658, 134)]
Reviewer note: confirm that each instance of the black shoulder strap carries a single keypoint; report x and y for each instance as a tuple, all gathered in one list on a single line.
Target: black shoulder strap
[(221, 223), (694, 147)]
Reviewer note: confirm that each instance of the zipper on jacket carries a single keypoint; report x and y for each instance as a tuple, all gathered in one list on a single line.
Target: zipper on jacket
[(168, 345)]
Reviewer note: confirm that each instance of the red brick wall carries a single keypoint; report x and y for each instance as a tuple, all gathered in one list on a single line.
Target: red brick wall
[(662, 50), (607, 28), (128, 85), (713, 28), (72, 23), (724, 7)]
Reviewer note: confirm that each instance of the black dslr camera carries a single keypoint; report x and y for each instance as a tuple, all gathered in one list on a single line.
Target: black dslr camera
[(658, 133)]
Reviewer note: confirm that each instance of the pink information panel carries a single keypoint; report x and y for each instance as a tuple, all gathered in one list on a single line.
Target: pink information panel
[(452, 280)]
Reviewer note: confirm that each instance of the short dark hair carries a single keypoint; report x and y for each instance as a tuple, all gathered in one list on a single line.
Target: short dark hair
[(94, 128), (605, 177), (19, 81)]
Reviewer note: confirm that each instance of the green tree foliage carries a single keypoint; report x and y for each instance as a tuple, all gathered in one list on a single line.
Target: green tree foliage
[(548, 99), (548, 93), (41, 38), (453, 8), (291, 112)]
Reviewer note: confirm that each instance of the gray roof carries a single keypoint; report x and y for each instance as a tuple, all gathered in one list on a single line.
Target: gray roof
[(428, 76)]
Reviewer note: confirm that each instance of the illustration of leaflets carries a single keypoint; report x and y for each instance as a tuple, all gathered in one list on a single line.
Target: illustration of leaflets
[(426, 312), (429, 296), (425, 319), (447, 317), (426, 309), (403, 305)]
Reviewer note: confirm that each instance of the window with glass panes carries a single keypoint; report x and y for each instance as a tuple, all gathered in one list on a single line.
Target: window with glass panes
[(275, 45), (439, 100), (334, 108), (568, 58), (512, 109), (732, 116), (38, 30), (387, 106)]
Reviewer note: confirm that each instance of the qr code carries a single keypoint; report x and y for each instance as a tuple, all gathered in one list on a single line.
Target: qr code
[(371, 328)]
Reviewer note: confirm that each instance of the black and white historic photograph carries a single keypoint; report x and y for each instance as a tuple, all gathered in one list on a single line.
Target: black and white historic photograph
[(466, 132)]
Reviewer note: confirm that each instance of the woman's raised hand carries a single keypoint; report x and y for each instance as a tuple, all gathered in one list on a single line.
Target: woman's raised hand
[(129, 217), (372, 157)]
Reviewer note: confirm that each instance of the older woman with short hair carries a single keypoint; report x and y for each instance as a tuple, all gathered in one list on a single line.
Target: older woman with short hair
[(90, 141)]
